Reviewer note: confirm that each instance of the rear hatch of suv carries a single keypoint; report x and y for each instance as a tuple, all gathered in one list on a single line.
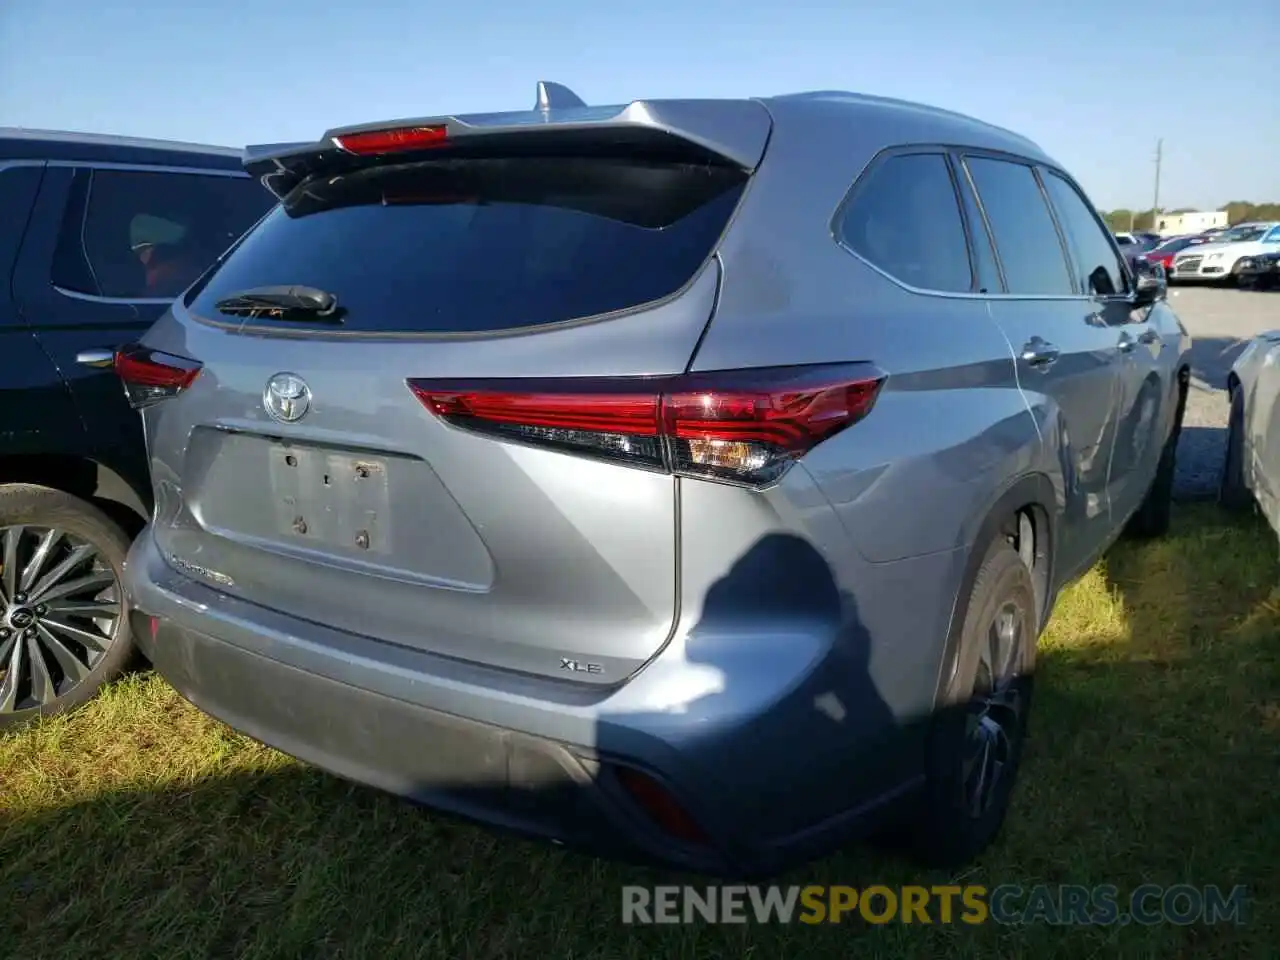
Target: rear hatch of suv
[(419, 401)]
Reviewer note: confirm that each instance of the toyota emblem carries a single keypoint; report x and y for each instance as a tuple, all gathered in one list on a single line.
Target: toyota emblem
[(287, 397)]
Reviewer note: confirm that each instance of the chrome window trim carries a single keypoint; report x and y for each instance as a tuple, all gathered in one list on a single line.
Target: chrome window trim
[(959, 295), (95, 298), (149, 168)]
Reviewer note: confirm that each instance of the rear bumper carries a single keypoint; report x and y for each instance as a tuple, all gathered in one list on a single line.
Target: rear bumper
[(528, 785), (535, 756)]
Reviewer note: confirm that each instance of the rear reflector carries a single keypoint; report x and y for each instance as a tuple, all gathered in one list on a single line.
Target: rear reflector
[(661, 807), (150, 376), (745, 427), (375, 142)]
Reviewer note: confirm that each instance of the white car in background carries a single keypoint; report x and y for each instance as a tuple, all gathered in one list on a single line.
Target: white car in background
[(1217, 261)]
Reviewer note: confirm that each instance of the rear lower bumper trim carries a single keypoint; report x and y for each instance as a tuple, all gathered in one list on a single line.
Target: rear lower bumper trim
[(499, 777)]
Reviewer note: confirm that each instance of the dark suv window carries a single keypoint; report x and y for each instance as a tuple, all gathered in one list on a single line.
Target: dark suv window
[(905, 219), (474, 245), (1097, 265), (134, 234), (1025, 236)]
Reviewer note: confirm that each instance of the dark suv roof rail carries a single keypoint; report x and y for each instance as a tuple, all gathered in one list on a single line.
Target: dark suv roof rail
[(26, 143)]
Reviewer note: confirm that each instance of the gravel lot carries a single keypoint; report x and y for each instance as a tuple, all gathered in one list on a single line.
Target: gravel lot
[(1221, 322)]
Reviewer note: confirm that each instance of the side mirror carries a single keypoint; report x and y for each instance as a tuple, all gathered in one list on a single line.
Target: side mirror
[(1149, 283)]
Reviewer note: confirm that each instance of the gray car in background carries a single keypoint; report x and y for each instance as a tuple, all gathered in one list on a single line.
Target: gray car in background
[(686, 479), (1251, 470)]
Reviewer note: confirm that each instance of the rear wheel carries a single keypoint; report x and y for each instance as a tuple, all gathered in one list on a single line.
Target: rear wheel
[(977, 737), (63, 618), (1232, 491)]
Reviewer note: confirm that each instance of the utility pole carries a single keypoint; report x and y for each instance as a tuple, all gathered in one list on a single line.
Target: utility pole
[(1155, 204)]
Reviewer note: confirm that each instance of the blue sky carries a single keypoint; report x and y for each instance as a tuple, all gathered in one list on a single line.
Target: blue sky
[(1094, 82)]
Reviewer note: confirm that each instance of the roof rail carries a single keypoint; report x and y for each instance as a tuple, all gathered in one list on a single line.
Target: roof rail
[(556, 96)]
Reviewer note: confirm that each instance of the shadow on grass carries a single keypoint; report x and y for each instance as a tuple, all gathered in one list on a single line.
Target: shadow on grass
[(1152, 760)]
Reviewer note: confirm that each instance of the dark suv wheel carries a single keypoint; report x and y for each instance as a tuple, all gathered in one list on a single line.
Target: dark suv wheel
[(63, 625)]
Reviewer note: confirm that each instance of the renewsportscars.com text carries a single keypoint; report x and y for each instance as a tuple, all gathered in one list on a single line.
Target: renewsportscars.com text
[(1010, 904)]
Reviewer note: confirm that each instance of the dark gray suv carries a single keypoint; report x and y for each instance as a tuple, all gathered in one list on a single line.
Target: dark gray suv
[(687, 478)]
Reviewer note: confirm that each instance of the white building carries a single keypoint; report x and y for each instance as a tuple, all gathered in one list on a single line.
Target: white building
[(1176, 224)]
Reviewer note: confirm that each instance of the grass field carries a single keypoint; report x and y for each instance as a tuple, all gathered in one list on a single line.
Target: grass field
[(140, 828)]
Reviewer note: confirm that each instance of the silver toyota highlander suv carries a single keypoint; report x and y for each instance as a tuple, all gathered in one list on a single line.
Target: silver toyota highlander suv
[(687, 479)]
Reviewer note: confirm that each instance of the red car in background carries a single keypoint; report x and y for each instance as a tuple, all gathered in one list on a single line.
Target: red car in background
[(1164, 252)]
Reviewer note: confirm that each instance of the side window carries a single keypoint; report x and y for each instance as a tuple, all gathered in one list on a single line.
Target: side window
[(1273, 236), (135, 235), (1096, 262), (1026, 239), (904, 219)]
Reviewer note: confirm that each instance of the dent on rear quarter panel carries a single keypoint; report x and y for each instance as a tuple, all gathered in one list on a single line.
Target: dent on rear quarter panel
[(950, 427), (779, 608)]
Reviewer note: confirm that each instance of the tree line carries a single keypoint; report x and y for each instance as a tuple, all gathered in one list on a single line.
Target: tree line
[(1238, 211)]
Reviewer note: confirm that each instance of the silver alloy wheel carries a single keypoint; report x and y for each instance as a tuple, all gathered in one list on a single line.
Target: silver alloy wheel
[(994, 720), (59, 614)]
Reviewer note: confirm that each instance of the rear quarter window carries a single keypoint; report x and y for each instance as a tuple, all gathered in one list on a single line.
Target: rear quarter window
[(904, 217), (485, 245)]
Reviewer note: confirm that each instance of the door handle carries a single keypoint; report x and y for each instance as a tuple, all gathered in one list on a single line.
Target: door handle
[(1126, 343), (101, 359), (1039, 353)]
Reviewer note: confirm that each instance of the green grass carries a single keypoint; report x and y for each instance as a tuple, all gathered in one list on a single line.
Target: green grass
[(141, 828)]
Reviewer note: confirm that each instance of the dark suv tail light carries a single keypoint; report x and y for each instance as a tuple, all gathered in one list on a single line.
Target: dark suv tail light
[(150, 376), (744, 426)]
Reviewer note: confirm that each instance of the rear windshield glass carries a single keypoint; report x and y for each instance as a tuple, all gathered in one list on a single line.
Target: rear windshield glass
[(480, 245)]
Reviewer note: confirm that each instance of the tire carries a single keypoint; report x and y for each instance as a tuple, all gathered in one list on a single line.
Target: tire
[(950, 828), (1233, 494), (1155, 514), (81, 635)]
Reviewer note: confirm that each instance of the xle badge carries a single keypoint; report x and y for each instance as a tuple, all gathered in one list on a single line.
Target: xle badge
[(578, 666)]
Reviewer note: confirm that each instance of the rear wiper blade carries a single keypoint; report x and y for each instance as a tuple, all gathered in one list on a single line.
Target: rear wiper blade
[(282, 303)]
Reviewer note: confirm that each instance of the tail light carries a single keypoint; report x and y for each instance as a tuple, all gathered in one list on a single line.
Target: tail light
[(660, 806), (745, 427), (395, 140), (150, 376)]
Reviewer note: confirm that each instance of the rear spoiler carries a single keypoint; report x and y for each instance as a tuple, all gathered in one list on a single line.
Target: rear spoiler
[(714, 131)]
